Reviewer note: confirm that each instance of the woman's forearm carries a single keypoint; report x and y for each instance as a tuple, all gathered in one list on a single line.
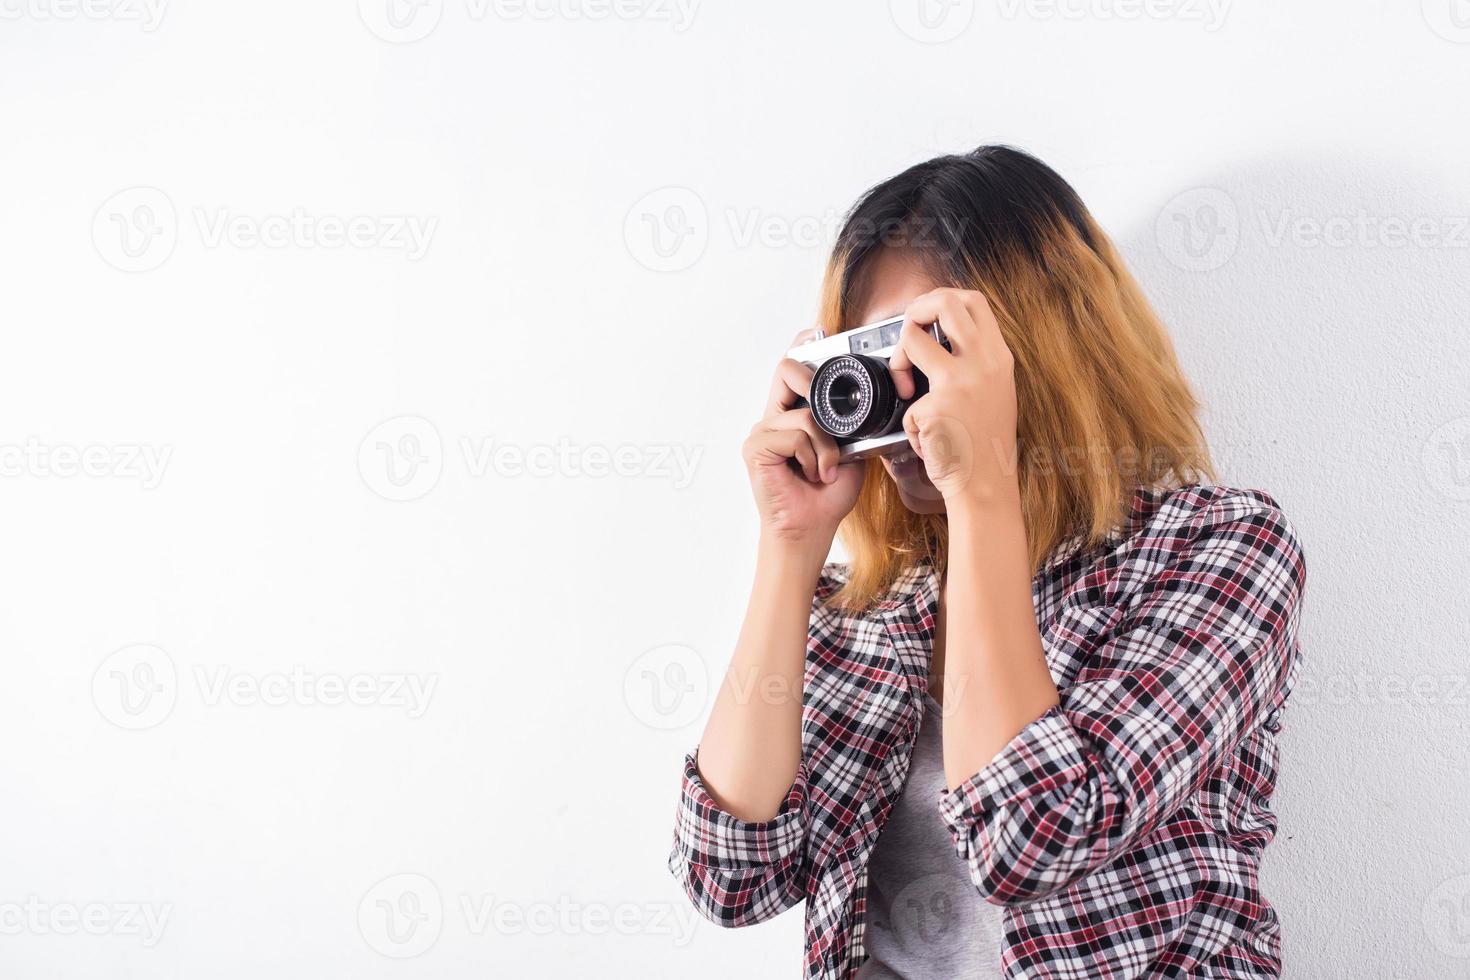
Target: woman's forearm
[(996, 678), (751, 747)]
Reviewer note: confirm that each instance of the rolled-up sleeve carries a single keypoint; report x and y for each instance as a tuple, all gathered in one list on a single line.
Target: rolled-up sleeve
[(739, 873), (1199, 656), (735, 872)]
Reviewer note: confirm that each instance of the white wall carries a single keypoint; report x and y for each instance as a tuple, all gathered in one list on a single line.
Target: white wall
[(537, 776)]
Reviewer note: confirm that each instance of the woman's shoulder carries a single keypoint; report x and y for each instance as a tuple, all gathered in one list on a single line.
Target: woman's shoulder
[(1197, 507), (833, 615), (1218, 521)]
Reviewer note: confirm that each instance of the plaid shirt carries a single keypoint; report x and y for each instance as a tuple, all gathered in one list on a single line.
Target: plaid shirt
[(1121, 830)]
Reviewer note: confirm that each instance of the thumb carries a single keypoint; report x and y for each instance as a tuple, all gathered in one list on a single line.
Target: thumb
[(850, 475)]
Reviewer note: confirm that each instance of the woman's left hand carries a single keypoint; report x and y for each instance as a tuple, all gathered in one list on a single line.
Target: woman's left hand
[(964, 429)]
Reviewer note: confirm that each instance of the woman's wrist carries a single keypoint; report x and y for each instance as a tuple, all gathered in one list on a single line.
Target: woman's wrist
[(803, 555), (984, 505)]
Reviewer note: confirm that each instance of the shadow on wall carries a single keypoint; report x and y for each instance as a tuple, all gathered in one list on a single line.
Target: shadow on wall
[(1320, 308)]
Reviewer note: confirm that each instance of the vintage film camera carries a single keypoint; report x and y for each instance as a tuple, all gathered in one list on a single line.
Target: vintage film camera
[(852, 396)]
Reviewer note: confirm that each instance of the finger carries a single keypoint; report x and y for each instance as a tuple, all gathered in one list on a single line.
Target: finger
[(916, 348), (791, 384), (829, 454), (768, 447), (950, 309), (806, 336), (987, 328), (911, 419)]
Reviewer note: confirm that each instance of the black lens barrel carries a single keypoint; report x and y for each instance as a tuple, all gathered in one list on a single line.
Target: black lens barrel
[(852, 397)]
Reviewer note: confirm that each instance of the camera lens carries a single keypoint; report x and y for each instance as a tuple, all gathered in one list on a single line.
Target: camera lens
[(845, 396), (852, 397)]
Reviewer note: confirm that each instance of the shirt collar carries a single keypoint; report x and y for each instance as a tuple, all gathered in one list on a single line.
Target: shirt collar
[(908, 612)]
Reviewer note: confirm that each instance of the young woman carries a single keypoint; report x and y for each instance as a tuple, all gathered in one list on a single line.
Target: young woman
[(1030, 730)]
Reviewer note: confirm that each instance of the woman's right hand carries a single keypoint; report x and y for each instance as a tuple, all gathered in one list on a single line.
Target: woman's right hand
[(801, 490)]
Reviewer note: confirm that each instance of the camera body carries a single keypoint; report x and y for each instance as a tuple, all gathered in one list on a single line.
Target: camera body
[(852, 395)]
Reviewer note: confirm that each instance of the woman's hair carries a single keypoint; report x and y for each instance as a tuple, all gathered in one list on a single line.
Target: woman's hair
[(1102, 405)]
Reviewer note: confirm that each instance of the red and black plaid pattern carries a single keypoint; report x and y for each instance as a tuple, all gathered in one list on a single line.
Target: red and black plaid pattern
[(1121, 830)]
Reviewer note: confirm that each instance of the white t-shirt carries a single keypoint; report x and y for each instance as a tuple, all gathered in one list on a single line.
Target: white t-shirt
[(925, 920)]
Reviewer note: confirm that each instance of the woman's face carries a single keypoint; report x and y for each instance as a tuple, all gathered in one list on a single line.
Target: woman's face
[(894, 279)]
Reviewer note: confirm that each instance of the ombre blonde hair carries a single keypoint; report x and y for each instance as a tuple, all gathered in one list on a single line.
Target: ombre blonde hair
[(1102, 405)]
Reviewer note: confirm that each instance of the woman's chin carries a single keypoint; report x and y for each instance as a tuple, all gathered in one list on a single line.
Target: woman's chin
[(922, 505), (919, 495), (911, 480)]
